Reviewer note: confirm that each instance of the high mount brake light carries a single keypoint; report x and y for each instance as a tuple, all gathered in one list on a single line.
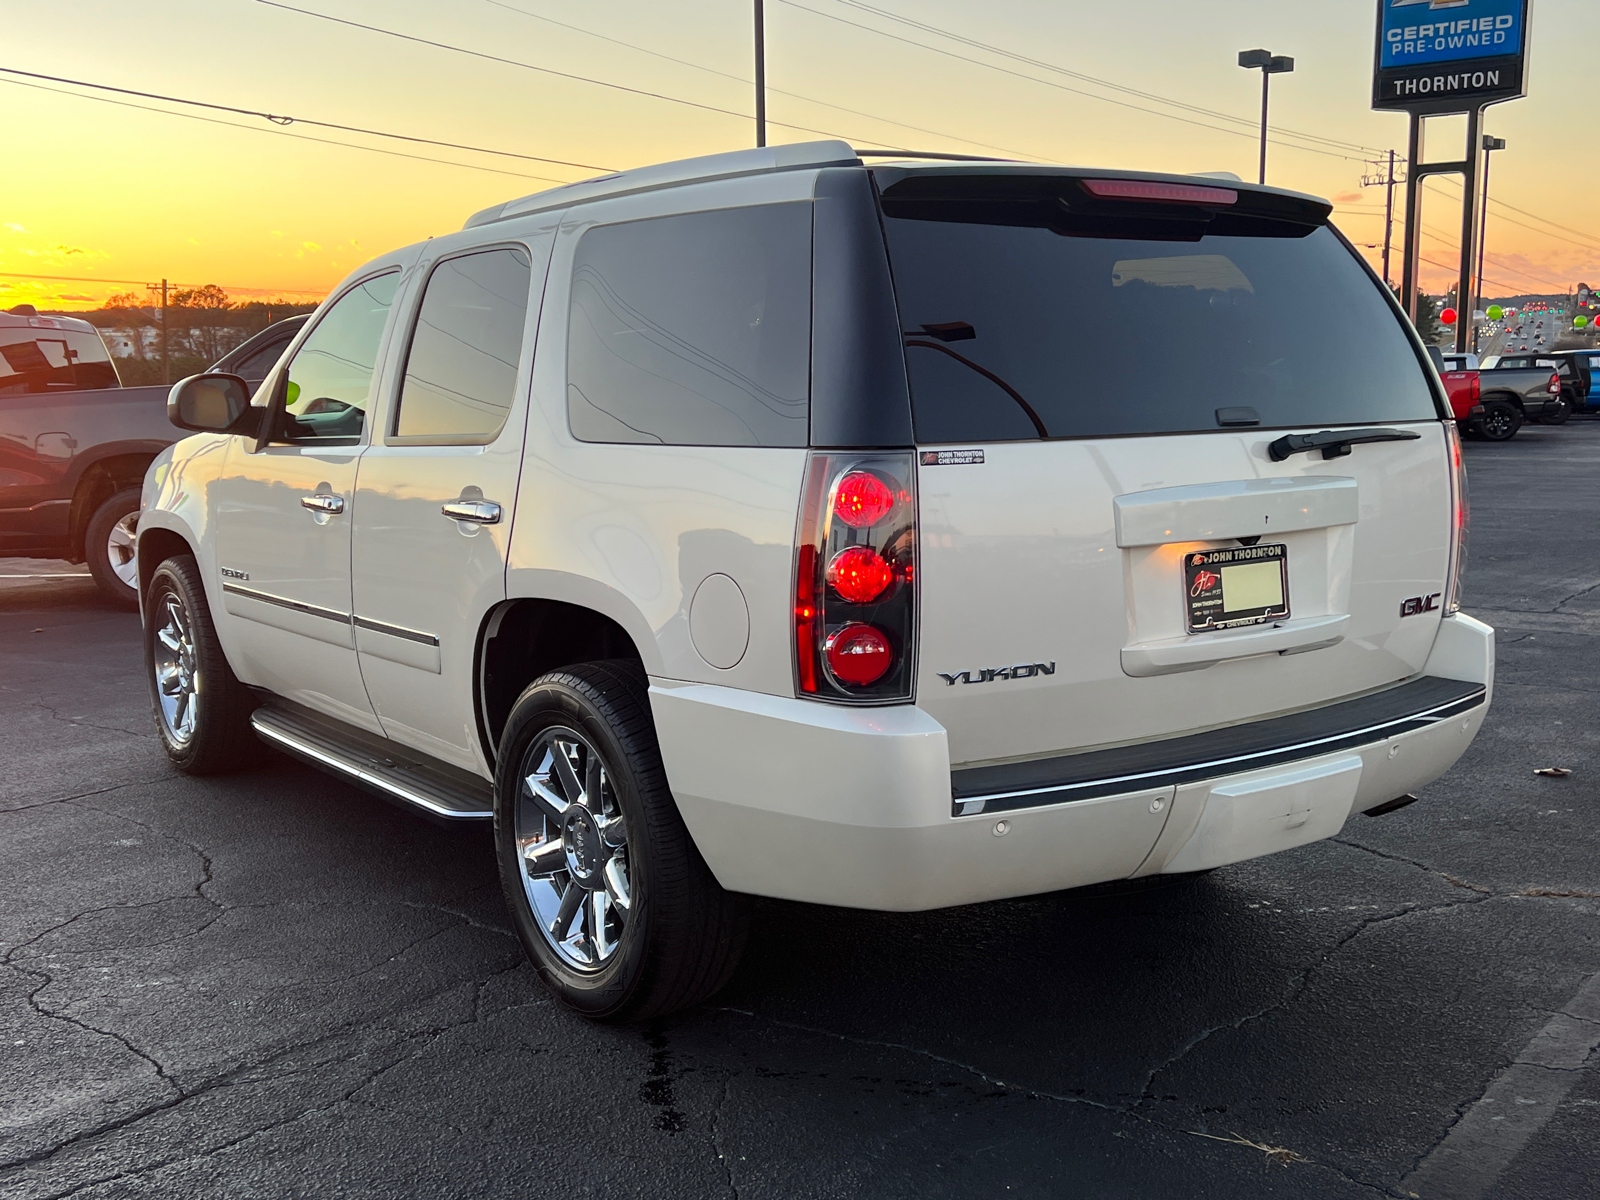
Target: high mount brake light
[(1170, 193), (855, 563)]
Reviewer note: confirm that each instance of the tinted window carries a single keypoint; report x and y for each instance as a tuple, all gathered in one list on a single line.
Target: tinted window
[(1099, 334), (462, 367), (330, 375), (255, 367), (693, 330), (38, 359)]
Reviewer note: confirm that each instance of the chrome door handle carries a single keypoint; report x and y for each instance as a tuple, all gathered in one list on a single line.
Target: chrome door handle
[(479, 512), (323, 504)]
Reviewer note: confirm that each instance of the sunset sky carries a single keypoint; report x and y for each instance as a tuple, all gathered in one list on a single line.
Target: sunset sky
[(111, 192)]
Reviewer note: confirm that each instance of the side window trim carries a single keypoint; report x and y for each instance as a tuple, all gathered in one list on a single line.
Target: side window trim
[(539, 266)]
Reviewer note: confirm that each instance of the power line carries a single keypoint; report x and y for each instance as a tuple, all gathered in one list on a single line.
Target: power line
[(227, 287), (855, 112), (301, 137), (1106, 83), (1046, 82), (512, 62), (278, 119)]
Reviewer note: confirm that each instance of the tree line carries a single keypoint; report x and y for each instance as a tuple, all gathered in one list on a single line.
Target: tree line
[(198, 326)]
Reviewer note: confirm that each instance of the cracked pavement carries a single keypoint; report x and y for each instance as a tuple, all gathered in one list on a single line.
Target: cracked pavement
[(271, 984)]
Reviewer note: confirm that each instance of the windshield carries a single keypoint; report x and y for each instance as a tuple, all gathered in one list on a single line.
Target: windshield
[(1017, 330)]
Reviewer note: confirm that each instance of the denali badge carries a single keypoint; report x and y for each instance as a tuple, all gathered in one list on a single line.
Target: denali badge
[(1419, 604), (1023, 671), (232, 574)]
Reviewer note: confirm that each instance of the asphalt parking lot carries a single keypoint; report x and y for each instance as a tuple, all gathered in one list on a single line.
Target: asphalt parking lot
[(274, 985)]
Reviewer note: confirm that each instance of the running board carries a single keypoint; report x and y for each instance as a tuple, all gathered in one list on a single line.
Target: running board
[(394, 772)]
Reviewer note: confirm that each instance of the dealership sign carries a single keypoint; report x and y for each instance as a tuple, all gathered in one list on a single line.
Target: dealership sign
[(1449, 55)]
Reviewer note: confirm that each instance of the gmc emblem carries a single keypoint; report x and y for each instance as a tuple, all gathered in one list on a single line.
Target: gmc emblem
[(1419, 604)]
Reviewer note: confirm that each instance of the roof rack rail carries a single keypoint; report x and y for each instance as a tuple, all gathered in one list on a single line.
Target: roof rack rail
[(860, 153)]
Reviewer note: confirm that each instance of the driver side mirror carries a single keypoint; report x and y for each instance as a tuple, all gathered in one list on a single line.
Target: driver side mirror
[(213, 403)]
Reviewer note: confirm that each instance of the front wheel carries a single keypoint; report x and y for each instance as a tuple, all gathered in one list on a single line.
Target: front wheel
[(108, 547), (1500, 421), (202, 711), (607, 892)]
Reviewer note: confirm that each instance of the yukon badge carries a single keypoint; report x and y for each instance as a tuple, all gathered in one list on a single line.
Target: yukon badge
[(1022, 671)]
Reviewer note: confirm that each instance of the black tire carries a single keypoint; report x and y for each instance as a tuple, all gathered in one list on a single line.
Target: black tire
[(683, 935), (1559, 414), (108, 549), (1500, 421), (219, 738)]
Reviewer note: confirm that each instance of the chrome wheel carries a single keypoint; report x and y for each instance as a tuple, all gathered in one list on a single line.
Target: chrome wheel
[(572, 848), (120, 549), (176, 675)]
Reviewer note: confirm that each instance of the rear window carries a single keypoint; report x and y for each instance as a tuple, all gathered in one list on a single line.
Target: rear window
[(52, 359), (1019, 325)]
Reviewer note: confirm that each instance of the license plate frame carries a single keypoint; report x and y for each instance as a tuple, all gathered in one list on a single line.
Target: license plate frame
[(1206, 579)]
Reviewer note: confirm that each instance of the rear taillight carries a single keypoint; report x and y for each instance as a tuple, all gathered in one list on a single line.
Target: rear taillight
[(1477, 388), (1554, 386), (855, 578), (1459, 520)]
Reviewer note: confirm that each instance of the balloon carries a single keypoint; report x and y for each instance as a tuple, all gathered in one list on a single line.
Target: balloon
[(1448, 316), (1579, 322), (1496, 312)]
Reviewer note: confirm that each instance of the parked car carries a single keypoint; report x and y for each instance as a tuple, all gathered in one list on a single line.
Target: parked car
[(1519, 388), (1461, 390), (74, 443), (252, 359), (1580, 377), (655, 520)]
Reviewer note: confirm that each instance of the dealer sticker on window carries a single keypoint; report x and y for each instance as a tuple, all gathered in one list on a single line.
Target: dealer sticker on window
[(1246, 585)]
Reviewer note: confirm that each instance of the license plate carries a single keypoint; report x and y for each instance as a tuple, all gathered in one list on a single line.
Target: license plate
[(1246, 585)]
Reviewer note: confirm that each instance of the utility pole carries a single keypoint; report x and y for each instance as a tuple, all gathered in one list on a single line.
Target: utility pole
[(1489, 144), (761, 76), (166, 363), (1386, 179), (1388, 216), (1270, 64)]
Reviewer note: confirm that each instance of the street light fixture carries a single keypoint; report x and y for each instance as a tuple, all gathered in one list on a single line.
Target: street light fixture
[(1270, 64)]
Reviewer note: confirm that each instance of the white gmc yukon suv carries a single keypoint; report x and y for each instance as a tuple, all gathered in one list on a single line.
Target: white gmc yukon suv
[(889, 536)]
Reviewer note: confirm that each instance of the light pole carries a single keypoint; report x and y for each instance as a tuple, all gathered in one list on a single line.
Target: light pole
[(1489, 144), (1270, 64), (761, 76)]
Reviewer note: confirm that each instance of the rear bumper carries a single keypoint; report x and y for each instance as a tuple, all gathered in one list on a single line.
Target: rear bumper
[(858, 807)]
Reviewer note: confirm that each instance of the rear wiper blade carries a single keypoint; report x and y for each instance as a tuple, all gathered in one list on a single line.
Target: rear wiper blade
[(1334, 443), (958, 331)]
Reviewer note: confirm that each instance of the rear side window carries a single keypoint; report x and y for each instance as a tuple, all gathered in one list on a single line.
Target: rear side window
[(461, 371), (1018, 325), (693, 330)]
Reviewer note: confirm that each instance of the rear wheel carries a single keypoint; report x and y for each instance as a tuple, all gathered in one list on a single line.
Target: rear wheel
[(611, 899), (1500, 421), (108, 547), (1559, 414), (202, 711)]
